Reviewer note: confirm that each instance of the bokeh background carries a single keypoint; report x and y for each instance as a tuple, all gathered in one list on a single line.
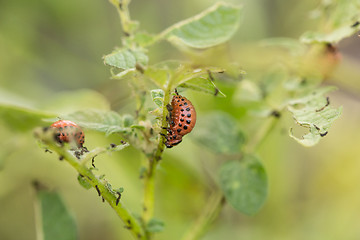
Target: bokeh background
[(50, 50)]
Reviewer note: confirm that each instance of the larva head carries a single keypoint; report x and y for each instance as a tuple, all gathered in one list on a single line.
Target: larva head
[(173, 140)]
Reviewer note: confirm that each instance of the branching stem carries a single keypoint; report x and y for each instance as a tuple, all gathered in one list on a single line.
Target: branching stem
[(153, 160), (100, 185)]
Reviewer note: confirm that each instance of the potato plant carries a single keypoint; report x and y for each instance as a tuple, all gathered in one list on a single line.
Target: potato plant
[(286, 80)]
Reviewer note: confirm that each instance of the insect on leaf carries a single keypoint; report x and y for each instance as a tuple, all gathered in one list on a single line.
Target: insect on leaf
[(102, 121)]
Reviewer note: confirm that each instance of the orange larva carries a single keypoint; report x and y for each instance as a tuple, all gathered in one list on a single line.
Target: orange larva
[(182, 120), (68, 131)]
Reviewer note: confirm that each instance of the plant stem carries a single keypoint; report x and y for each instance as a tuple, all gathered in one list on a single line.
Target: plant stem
[(260, 136), (124, 14), (153, 160), (210, 212), (100, 185), (217, 200)]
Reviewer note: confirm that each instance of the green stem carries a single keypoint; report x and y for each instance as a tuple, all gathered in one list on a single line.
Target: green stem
[(216, 202), (261, 135), (153, 160), (210, 212), (100, 185), (124, 14)]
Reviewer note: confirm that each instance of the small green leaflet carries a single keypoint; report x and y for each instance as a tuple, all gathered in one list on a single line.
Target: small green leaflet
[(244, 184), (209, 28), (203, 84), (126, 58), (220, 135), (161, 73), (313, 112), (185, 73), (142, 39), (102, 121), (157, 96), (56, 223), (333, 37)]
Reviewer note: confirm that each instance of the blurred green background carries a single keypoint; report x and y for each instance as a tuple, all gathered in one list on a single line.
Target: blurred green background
[(53, 49)]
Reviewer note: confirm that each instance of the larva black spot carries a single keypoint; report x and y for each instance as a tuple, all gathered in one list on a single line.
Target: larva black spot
[(187, 109), (181, 119), (188, 121), (182, 109), (189, 115), (185, 103), (185, 127), (179, 130), (183, 115), (180, 124)]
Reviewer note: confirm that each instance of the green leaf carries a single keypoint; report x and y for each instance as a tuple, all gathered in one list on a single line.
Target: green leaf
[(333, 37), (244, 184), (157, 95), (203, 85), (314, 112), (57, 223), (162, 72), (209, 28), (102, 121), (340, 18), (126, 58), (19, 113), (218, 132), (142, 39), (159, 76), (21, 118), (155, 225), (185, 72)]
